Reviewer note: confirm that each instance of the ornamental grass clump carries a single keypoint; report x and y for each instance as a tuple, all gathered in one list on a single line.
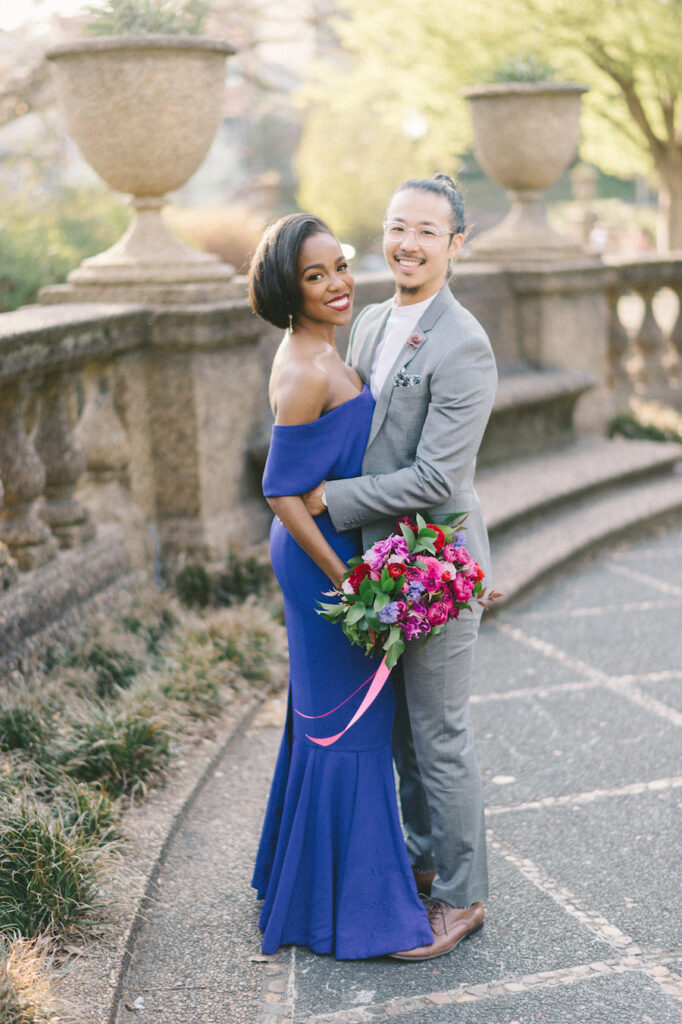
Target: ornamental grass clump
[(119, 751), (21, 728), (25, 993), (48, 877), (88, 812), (114, 669)]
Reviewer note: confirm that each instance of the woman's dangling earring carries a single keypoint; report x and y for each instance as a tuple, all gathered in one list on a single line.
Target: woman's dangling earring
[(291, 322)]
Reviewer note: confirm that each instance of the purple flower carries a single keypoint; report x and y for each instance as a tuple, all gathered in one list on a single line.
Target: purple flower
[(389, 614), (415, 339), (459, 538), (415, 590), (379, 552), (413, 626)]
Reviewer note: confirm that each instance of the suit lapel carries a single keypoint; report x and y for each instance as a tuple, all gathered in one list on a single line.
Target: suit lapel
[(365, 356), (427, 322)]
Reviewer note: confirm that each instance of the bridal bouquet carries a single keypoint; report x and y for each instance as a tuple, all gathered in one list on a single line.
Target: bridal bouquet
[(406, 586)]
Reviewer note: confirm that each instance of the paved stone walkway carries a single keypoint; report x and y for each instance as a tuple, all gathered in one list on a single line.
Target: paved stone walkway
[(578, 717)]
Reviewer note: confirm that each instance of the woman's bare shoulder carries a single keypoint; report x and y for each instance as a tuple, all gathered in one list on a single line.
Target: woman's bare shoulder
[(299, 393)]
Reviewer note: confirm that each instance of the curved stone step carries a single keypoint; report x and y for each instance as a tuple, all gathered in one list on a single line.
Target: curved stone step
[(542, 544), (533, 412), (520, 488)]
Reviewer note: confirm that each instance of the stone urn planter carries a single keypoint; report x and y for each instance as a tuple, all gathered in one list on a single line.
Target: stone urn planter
[(143, 112), (525, 136)]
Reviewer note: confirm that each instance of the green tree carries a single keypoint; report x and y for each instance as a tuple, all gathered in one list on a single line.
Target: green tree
[(419, 56)]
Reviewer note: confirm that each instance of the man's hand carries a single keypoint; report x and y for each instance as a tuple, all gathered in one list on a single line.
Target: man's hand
[(313, 500)]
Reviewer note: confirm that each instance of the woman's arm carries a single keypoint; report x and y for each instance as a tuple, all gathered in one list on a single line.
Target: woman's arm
[(301, 398), (293, 514)]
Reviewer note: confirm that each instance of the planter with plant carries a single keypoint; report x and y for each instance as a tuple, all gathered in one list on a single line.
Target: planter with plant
[(143, 100), (526, 129)]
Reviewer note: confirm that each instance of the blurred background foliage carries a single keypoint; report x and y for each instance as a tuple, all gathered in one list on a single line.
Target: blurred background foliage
[(332, 103), (44, 236)]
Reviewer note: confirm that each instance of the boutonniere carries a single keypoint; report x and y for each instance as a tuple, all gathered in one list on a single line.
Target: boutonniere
[(415, 339)]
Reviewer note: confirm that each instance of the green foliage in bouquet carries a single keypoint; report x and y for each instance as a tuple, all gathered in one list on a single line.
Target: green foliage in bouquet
[(379, 613)]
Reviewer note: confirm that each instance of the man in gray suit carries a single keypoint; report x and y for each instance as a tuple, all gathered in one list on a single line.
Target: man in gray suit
[(431, 369)]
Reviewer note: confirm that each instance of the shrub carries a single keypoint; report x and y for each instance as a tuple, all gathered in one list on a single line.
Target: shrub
[(47, 874), (43, 237), (634, 429), (194, 586), (120, 752), (147, 17), (243, 577)]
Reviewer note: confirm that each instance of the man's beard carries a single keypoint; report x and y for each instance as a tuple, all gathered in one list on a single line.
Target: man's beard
[(412, 289)]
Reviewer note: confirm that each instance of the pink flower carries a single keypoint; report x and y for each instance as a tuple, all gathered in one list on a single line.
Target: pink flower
[(432, 582), (437, 613), (449, 602), (449, 552), (462, 587), (415, 339), (414, 574), (379, 552), (463, 557), (402, 608)]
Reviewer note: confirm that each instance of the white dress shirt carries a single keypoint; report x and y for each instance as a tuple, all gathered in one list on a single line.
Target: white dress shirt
[(402, 321)]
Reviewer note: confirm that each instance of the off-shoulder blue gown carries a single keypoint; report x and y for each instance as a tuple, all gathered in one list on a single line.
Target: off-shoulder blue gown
[(332, 866)]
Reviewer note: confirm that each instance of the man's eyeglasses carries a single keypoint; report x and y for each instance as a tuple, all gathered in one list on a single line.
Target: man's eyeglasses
[(395, 231)]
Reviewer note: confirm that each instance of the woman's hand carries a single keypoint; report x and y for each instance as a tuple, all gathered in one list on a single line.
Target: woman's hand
[(313, 500)]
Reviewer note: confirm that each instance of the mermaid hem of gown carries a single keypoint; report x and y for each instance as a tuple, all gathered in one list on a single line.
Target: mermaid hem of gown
[(332, 867)]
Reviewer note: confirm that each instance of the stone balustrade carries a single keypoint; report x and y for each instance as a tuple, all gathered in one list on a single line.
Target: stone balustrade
[(126, 430), (645, 328)]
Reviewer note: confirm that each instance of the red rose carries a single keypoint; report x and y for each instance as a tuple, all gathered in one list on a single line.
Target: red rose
[(395, 569), (440, 536), (408, 522), (359, 573)]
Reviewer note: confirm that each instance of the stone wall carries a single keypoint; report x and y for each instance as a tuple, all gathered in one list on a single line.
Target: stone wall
[(129, 434)]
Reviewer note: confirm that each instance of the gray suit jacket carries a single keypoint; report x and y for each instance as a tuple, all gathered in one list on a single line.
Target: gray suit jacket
[(427, 426)]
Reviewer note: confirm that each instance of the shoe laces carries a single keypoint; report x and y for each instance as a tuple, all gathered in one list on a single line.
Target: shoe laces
[(435, 910)]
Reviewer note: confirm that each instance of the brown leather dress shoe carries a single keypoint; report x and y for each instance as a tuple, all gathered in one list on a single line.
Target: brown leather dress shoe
[(424, 880), (449, 926)]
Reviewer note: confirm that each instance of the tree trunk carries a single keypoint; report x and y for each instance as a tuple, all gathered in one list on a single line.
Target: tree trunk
[(669, 224)]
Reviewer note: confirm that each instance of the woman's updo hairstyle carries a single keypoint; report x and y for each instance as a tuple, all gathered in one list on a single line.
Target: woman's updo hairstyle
[(441, 185), (274, 286)]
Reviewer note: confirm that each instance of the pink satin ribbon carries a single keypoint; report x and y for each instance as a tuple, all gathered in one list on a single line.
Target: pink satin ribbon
[(378, 680)]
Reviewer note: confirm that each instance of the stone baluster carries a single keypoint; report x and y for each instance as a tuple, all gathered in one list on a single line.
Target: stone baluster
[(27, 537), (676, 332), (618, 346), (63, 457), (106, 447), (8, 567), (650, 346)]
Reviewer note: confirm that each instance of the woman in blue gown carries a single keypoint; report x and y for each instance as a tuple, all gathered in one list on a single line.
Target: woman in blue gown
[(332, 867)]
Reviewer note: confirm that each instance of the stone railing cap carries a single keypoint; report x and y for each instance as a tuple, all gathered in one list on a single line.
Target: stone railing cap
[(150, 42), (521, 88)]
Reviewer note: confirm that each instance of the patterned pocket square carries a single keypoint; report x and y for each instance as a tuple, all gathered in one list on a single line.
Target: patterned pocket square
[(403, 379)]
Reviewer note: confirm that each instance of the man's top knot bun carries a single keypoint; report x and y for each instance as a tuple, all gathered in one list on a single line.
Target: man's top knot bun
[(446, 179)]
